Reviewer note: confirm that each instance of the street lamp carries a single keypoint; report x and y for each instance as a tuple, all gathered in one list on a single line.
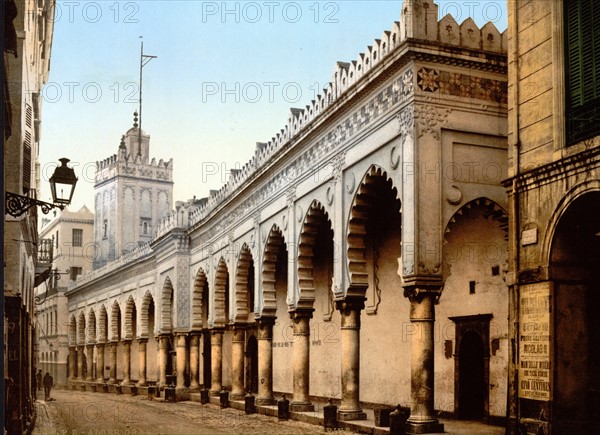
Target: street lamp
[(62, 184)]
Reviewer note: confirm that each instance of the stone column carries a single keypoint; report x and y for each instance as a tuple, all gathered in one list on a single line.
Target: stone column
[(422, 314), (100, 362), (80, 351), (90, 362), (350, 333), (216, 342), (265, 361), (194, 360), (126, 362), (163, 345), (237, 363), (142, 342), (72, 363), (113, 363), (181, 354), (301, 402)]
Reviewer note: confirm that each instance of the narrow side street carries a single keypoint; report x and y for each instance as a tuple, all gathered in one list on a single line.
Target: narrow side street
[(74, 412)]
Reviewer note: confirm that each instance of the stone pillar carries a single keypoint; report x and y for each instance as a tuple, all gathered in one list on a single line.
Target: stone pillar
[(113, 363), (422, 314), (126, 362), (350, 332), (265, 361), (202, 368), (181, 354), (194, 360), (90, 362), (100, 362), (301, 402), (163, 345), (80, 351), (216, 342), (237, 363), (72, 363), (142, 342)]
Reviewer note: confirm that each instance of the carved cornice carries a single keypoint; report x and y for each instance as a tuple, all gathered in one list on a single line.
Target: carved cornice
[(580, 162)]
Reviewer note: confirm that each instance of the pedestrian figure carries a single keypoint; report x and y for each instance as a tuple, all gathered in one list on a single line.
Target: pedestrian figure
[(38, 378), (48, 381)]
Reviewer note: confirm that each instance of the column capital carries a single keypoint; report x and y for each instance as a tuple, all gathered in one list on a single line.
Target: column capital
[(265, 328), (306, 313), (142, 340), (301, 319), (181, 333), (239, 333), (350, 309), (418, 293)]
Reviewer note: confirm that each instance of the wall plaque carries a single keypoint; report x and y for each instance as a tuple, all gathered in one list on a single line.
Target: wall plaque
[(534, 341)]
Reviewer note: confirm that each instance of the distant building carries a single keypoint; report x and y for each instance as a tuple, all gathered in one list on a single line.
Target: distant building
[(70, 238), (28, 30), (132, 194), (554, 194)]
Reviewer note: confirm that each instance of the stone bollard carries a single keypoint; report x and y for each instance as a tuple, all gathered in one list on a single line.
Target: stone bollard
[(105, 388), (398, 419), (133, 390), (203, 396), (170, 394), (224, 398), (249, 407), (151, 392), (382, 416), (283, 408), (330, 415)]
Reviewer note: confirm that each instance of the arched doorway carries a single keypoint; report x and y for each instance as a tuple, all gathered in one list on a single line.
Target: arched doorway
[(252, 365), (574, 261), (471, 377)]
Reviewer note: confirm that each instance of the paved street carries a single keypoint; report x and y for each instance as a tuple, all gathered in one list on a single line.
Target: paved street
[(74, 412)]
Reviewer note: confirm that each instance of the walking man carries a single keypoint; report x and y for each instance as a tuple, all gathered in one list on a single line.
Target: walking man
[(38, 379), (48, 381)]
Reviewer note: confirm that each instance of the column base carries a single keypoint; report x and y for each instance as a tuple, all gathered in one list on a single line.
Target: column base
[(302, 407), (112, 381), (100, 381), (265, 401), (417, 427), (141, 384), (358, 414)]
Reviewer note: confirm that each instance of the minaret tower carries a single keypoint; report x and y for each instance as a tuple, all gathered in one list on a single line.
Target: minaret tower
[(132, 193)]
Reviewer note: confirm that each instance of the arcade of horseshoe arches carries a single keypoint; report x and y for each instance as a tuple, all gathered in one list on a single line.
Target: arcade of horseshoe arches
[(358, 255)]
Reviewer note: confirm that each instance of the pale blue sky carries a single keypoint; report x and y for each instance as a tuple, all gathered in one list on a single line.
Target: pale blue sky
[(204, 49)]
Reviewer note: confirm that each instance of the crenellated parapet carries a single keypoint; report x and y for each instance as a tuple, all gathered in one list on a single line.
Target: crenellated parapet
[(123, 164), (418, 22)]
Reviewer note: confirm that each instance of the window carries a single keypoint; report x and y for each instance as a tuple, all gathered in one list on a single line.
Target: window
[(77, 237), (145, 226), (74, 272), (105, 229), (582, 60)]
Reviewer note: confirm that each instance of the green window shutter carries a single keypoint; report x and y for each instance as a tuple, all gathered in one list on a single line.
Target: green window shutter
[(582, 33), (574, 54)]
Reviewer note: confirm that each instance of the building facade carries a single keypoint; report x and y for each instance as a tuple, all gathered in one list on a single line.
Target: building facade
[(26, 60), (359, 255), (70, 237), (554, 191)]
